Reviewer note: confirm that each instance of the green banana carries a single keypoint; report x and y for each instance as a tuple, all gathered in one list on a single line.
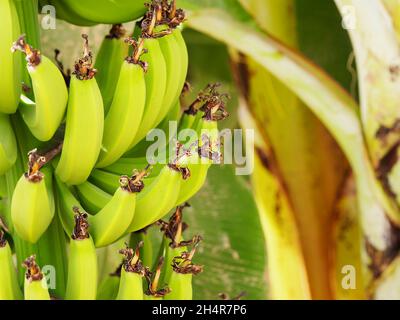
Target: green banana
[(108, 288), (105, 11), (156, 82), (43, 117), (158, 198), (8, 144), (180, 280), (125, 114), (84, 126), (110, 57), (132, 273), (66, 14), (172, 55), (112, 221), (9, 289), (92, 198), (172, 238), (32, 204), (82, 264), (10, 65), (146, 252), (35, 287), (106, 181)]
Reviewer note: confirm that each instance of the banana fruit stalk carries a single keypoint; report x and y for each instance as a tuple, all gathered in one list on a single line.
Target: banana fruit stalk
[(35, 287), (132, 273), (32, 204), (85, 121), (8, 144), (43, 117), (10, 80), (9, 289), (82, 265)]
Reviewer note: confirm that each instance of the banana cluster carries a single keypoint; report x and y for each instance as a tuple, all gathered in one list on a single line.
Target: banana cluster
[(86, 169)]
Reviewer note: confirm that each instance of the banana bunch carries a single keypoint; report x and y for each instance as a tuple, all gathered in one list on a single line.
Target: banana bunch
[(86, 173)]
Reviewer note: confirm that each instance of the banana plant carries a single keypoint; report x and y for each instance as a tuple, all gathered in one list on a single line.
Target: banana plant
[(299, 165)]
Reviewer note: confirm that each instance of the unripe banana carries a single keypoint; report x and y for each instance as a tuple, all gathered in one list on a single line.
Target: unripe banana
[(172, 238), (106, 11), (32, 204), (178, 268), (35, 287), (92, 198), (183, 53), (82, 265), (132, 273), (158, 198), (112, 221), (9, 289), (108, 288), (66, 14), (10, 65), (109, 59), (43, 117), (156, 82), (146, 252), (125, 114), (8, 144), (84, 126), (172, 55)]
